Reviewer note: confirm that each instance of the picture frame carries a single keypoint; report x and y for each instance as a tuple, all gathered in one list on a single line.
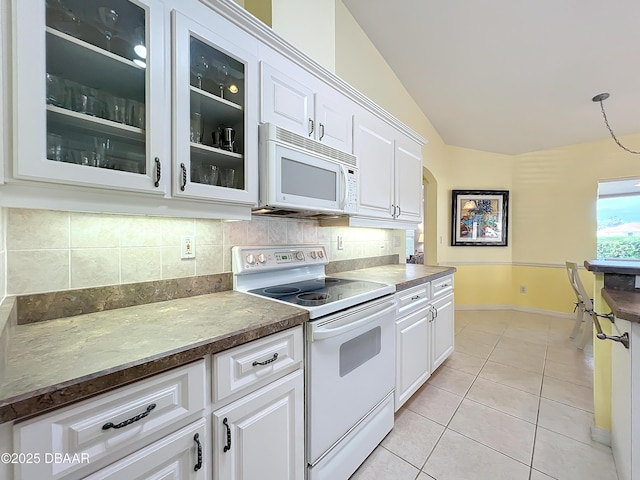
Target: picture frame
[(479, 218)]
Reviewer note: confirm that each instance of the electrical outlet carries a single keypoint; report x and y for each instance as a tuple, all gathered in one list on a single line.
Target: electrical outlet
[(188, 247), (340, 242), (523, 289)]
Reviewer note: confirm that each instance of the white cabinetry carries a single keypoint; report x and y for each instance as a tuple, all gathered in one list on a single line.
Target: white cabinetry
[(413, 323), (86, 112), (215, 102), (99, 431), (182, 455), (424, 334), (301, 103), (442, 320), (625, 394), (390, 171), (94, 110), (258, 422)]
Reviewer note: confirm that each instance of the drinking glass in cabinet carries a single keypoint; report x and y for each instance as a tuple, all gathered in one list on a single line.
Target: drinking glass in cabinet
[(227, 177), (56, 90), (199, 67), (116, 26), (196, 128)]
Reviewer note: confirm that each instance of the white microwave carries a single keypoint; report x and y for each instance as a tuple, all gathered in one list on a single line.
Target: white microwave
[(303, 175)]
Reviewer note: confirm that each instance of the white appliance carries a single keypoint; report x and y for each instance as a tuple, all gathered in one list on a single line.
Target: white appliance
[(303, 176), (349, 354)]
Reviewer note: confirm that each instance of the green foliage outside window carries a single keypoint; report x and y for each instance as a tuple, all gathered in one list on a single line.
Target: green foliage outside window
[(618, 247)]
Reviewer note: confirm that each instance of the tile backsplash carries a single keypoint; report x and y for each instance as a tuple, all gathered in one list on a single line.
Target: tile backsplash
[(52, 250)]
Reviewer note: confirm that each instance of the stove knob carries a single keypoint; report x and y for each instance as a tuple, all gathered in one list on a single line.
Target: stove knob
[(262, 258), (300, 256), (313, 255), (251, 259), (320, 254)]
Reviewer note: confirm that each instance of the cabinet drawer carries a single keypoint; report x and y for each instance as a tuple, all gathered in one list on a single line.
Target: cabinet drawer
[(175, 456), (249, 366), (119, 422), (442, 286), (412, 299)]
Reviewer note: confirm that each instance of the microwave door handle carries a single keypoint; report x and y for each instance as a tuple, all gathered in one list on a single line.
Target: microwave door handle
[(343, 203)]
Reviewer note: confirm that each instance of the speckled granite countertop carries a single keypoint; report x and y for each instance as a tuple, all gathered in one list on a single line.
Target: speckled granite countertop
[(52, 363), (623, 304), (402, 275)]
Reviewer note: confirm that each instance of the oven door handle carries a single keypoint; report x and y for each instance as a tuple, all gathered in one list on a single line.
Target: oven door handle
[(321, 333)]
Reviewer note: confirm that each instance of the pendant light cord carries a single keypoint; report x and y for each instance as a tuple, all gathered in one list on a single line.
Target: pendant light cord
[(600, 98)]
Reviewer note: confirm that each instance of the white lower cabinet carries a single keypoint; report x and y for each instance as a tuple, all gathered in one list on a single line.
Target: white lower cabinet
[(261, 436), (625, 392), (442, 321), (258, 409), (412, 354), (184, 455), (424, 334), (78, 440), (442, 329)]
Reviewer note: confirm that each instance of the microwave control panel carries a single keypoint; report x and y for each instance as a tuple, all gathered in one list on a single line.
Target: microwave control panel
[(351, 198)]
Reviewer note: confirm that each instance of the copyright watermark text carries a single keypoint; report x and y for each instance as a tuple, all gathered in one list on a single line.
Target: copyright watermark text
[(32, 458)]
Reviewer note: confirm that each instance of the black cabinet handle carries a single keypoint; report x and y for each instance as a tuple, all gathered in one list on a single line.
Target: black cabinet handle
[(321, 131), (184, 177), (310, 126), (131, 420), (227, 447), (198, 465), (158, 172), (267, 362)]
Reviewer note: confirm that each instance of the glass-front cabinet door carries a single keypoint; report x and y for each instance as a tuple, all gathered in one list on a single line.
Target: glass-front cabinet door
[(90, 93), (215, 106)]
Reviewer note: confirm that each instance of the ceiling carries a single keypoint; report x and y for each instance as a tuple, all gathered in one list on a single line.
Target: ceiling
[(513, 76)]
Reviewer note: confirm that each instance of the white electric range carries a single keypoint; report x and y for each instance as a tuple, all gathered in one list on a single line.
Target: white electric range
[(349, 351)]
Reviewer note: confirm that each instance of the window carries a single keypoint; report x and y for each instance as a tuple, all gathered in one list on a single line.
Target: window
[(618, 234)]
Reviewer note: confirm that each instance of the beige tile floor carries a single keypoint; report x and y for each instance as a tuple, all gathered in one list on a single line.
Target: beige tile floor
[(513, 402)]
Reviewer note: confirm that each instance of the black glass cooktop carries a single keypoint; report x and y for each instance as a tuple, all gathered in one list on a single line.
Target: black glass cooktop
[(320, 291)]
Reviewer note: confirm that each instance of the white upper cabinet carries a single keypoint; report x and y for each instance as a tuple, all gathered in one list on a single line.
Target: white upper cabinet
[(297, 101), (215, 103), (374, 147), (408, 179), (390, 171), (89, 86)]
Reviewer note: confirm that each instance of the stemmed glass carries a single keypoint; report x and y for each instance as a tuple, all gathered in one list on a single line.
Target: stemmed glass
[(109, 18), (221, 76), (199, 67)]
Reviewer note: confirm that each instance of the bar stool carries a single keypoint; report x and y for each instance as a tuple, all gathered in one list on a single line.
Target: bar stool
[(583, 303)]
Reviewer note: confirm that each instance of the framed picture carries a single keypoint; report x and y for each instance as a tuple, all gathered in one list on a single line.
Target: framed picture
[(479, 218)]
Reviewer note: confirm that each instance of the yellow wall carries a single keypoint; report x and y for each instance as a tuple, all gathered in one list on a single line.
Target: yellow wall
[(309, 25), (602, 365)]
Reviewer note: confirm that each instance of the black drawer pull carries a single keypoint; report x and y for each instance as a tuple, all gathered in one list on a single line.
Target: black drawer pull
[(227, 447), (415, 297), (158, 172), (267, 362), (140, 416), (198, 465), (184, 177)]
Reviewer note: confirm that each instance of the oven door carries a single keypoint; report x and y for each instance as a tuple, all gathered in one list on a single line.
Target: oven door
[(350, 369)]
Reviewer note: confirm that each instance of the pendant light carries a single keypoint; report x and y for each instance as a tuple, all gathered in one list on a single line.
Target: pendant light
[(601, 97)]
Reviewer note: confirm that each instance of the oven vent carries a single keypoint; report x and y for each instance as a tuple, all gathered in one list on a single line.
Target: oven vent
[(315, 146)]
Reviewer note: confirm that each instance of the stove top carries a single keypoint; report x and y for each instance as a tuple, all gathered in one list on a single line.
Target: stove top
[(295, 274), (319, 291)]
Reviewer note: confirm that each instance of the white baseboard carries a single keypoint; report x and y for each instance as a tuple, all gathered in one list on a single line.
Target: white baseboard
[(600, 435), (517, 308)]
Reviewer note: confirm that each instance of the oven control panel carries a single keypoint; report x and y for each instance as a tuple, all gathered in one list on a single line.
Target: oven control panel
[(256, 258)]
